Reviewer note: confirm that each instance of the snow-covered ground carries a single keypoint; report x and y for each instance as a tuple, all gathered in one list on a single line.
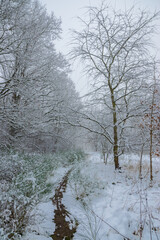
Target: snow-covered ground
[(106, 203), (41, 225)]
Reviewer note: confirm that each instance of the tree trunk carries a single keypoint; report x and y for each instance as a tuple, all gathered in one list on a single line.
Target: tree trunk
[(115, 148), (151, 128), (115, 133), (151, 144)]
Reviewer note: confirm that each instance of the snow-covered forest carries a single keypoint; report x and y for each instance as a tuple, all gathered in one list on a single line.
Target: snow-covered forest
[(72, 166)]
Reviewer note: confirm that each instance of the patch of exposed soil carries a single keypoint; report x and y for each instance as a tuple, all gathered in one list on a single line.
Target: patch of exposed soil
[(62, 217)]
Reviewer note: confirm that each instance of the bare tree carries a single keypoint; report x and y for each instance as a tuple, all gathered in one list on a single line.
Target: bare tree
[(151, 119), (114, 47)]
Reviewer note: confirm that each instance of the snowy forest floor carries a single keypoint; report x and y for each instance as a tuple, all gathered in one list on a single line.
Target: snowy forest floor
[(101, 203)]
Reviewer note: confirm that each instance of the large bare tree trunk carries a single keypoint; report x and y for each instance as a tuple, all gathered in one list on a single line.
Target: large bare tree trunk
[(115, 148), (115, 132)]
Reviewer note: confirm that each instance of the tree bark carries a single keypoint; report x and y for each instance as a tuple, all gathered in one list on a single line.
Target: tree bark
[(151, 144), (115, 148), (151, 127), (115, 133)]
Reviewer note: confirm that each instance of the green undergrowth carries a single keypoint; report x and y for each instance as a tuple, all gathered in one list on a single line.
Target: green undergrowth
[(23, 183)]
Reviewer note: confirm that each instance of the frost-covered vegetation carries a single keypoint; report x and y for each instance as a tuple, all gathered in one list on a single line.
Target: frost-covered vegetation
[(36, 92), (23, 183)]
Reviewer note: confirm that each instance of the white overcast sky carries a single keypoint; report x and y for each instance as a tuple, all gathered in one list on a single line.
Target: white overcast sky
[(68, 10)]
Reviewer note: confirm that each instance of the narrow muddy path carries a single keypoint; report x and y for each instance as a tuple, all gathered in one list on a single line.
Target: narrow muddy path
[(65, 225)]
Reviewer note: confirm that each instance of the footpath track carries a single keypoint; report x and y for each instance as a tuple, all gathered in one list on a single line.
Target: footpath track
[(62, 218)]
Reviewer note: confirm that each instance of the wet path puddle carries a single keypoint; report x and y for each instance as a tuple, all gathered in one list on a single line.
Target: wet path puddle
[(65, 226)]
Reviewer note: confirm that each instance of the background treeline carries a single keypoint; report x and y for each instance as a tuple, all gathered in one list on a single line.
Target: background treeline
[(36, 92)]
